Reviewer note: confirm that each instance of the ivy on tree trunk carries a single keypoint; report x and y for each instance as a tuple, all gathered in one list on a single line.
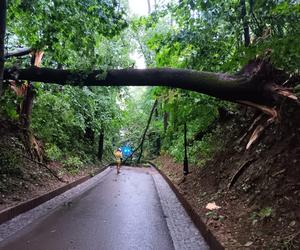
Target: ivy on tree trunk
[(101, 145)]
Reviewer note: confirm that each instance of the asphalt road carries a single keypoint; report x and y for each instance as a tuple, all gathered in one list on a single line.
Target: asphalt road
[(121, 212)]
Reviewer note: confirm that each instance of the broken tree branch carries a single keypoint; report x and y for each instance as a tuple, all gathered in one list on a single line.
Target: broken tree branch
[(240, 171), (257, 119), (51, 171), (259, 129), (265, 109)]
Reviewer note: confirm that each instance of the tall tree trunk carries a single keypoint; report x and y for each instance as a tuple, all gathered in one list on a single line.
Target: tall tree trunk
[(3, 9), (257, 83), (27, 104), (89, 134), (166, 122), (158, 144), (245, 23), (26, 110), (175, 116), (185, 161), (101, 145), (258, 25), (149, 7), (146, 129), (158, 139), (30, 142)]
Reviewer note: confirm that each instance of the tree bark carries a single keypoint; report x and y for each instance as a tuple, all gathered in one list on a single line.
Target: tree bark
[(166, 116), (27, 105), (3, 9), (101, 145), (174, 116), (255, 83), (89, 135), (149, 7), (258, 25), (30, 142), (185, 161), (146, 129), (158, 139), (245, 23)]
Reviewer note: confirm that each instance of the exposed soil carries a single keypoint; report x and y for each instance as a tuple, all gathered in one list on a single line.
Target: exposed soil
[(22, 179), (260, 207)]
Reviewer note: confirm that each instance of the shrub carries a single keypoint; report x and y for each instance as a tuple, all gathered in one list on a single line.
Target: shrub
[(9, 163), (53, 152), (73, 164)]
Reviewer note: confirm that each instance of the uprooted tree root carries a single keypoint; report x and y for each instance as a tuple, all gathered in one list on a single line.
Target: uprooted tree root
[(277, 83)]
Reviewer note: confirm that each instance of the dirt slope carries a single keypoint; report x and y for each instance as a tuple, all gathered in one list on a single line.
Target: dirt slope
[(22, 179), (260, 207)]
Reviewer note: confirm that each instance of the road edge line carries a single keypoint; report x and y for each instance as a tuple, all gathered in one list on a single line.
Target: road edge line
[(210, 239)]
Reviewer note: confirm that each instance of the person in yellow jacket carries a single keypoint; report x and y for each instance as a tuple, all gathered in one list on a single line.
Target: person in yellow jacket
[(118, 154)]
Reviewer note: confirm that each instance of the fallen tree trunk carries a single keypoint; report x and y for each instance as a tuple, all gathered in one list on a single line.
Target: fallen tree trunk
[(254, 84)]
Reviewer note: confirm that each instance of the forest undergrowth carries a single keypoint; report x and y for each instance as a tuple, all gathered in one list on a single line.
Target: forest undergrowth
[(22, 178)]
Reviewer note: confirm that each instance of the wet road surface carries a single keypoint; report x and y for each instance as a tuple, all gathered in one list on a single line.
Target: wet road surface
[(121, 212)]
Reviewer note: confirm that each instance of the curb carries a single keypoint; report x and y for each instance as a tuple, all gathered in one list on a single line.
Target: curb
[(206, 233), (25, 206)]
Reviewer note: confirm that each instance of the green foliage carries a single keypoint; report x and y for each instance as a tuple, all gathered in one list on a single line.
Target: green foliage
[(87, 34), (73, 164), (9, 105), (263, 214), (136, 109), (53, 152), (214, 215), (69, 119), (208, 35), (64, 28), (199, 111), (72, 161)]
